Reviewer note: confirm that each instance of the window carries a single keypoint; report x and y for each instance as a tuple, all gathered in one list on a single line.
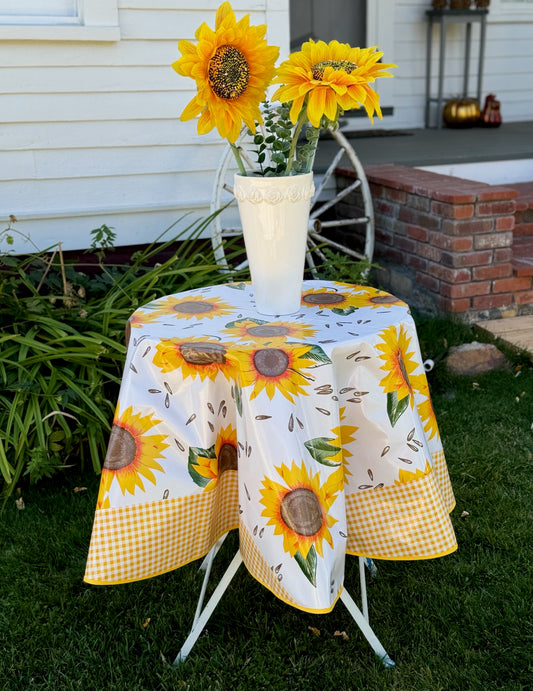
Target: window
[(35, 12), (56, 20)]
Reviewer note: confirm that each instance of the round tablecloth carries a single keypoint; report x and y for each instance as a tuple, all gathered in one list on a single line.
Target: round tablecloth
[(311, 433)]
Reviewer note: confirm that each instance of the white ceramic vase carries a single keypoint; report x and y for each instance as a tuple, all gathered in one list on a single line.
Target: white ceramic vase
[(275, 215)]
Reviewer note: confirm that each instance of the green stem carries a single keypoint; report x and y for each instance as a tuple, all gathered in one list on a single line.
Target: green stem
[(237, 154), (302, 119), (313, 141)]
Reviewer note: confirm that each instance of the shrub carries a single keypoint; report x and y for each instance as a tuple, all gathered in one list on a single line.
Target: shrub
[(62, 346)]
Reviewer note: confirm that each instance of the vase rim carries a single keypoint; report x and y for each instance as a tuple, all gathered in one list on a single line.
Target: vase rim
[(273, 178)]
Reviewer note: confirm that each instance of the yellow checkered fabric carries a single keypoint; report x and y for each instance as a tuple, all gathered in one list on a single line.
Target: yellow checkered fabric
[(258, 567), (404, 521), (135, 542), (443, 479)]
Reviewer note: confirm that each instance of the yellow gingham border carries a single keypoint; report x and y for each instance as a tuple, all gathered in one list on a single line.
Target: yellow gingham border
[(404, 521), (136, 542)]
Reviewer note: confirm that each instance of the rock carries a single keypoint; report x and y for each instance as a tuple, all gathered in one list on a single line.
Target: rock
[(474, 358)]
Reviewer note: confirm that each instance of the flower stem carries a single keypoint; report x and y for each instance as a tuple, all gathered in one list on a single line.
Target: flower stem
[(237, 154), (302, 119), (312, 144)]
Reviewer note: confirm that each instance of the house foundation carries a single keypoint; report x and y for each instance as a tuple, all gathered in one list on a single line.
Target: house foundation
[(446, 244)]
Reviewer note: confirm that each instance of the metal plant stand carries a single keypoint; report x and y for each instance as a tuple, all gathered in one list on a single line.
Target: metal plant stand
[(443, 18)]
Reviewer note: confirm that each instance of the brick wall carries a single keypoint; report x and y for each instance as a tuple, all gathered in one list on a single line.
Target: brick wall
[(445, 244)]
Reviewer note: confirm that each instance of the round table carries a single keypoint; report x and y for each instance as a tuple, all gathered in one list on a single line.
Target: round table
[(312, 434)]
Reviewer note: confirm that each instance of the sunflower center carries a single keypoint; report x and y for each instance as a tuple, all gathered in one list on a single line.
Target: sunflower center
[(193, 307), (383, 299), (203, 353), (301, 511), (227, 458), (271, 362), (267, 330), (122, 449), (323, 298), (317, 70), (228, 72)]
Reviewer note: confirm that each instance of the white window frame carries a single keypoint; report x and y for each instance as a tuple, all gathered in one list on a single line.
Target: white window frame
[(511, 11), (97, 20)]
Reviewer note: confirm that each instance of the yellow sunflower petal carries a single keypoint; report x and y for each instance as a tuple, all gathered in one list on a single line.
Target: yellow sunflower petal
[(229, 97)]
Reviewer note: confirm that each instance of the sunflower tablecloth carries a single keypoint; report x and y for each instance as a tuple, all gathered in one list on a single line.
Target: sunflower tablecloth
[(312, 433)]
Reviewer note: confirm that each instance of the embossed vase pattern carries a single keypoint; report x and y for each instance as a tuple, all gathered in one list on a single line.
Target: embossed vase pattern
[(275, 216)]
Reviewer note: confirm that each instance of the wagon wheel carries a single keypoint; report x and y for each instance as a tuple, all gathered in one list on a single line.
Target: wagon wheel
[(353, 236)]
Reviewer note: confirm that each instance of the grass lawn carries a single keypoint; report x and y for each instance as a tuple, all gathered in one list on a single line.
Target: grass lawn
[(455, 623)]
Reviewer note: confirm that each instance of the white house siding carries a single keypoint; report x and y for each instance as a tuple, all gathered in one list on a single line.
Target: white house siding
[(508, 65), (91, 134), (91, 131)]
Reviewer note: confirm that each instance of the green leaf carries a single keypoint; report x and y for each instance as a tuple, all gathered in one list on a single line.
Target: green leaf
[(316, 353), (232, 325), (344, 312), (395, 407), (322, 451), (308, 565), (238, 399), (5, 467)]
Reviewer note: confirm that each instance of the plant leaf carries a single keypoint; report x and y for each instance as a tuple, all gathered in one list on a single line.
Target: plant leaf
[(322, 451), (308, 565), (395, 407)]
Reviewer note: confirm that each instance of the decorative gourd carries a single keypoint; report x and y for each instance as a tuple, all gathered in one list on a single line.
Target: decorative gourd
[(461, 112)]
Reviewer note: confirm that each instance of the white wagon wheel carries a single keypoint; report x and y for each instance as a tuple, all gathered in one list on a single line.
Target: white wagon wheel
[(324, 221)]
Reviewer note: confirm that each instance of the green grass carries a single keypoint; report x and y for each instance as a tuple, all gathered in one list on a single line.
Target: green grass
[(455, 623)]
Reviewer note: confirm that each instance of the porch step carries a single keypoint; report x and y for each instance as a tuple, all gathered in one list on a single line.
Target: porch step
[(515, 331), (523, 256), (524, 210)]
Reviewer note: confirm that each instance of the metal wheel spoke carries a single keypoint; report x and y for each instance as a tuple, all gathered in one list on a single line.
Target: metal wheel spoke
[(340, 195), (336, 245), (343, 222), (327, 174)]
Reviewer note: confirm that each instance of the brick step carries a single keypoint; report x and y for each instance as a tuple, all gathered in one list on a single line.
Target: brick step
[(524, 210), (523, 256)]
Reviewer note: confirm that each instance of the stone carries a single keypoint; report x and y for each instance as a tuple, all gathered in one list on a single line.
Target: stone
[(474, 358)]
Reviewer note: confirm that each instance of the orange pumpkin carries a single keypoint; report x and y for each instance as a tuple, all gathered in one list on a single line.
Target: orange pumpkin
[(461, 112)]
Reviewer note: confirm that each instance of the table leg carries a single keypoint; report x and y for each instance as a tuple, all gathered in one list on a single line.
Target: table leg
[(202, 619), (367, 632), (362, 581), (206, 566)]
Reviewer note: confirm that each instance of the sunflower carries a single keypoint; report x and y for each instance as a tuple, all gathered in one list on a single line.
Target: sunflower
[(426, 412), (138, 319), (232, 67), (277, 367), (131, 453), (408, 476), (196, 357), (342, 439), (226, 449), (372, 297), (207, 465), (324, 298), (190, 306), (325, 79), (298, 509), (265, 332), (398, 363)]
